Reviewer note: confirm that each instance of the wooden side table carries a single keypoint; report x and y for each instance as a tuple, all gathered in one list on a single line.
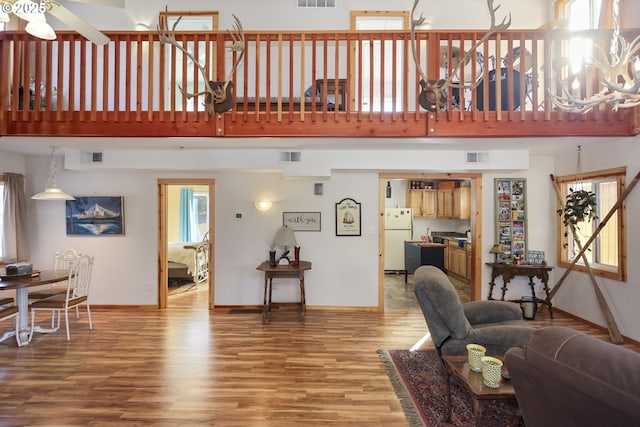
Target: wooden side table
[(283, 272), (509, 271), (481, 394)]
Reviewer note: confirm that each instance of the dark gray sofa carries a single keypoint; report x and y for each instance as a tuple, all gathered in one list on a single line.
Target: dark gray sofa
[(566, 378)]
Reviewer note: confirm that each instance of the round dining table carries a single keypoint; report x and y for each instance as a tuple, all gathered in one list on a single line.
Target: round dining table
[(21, 283)]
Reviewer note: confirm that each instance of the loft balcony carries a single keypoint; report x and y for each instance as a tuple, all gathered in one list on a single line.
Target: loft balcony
[(303, 84)]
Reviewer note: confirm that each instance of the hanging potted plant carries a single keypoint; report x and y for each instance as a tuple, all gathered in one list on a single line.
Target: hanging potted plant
[(580, 206)]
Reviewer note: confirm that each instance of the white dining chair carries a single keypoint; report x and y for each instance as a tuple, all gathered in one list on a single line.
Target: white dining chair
[(77, 293), (61, 261)]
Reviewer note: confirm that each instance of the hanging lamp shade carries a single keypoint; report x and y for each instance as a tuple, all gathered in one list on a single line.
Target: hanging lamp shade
[(52, 191), (41, 30)]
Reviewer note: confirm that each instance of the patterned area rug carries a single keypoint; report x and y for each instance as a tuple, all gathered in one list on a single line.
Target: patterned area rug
[(418, 379)]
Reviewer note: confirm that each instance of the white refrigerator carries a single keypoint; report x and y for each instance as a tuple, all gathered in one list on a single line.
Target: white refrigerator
[(398, 227)]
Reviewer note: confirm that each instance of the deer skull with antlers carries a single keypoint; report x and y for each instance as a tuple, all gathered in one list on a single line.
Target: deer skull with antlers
[(218, 96), (433, 92)]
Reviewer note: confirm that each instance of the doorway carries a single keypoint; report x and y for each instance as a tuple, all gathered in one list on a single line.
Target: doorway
[(197, 263), (475, 226)]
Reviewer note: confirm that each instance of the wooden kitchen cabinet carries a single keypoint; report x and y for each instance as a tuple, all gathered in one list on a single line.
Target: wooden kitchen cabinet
[(462, 202), (445, 203), (467, 248), (446, 258), (454, 203), (423, 203), (457, 259)]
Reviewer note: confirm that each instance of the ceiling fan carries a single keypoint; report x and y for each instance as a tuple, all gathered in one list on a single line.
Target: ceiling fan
[(33, 12)]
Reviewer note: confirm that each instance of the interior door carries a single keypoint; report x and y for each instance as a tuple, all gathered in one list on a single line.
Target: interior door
[(164, 221)]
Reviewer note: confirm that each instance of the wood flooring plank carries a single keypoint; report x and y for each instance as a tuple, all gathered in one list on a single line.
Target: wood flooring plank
[(191, 367)]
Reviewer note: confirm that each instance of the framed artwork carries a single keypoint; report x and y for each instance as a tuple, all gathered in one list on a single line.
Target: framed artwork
[(302, 221), (348, 218), (511, 219), (95, 216)]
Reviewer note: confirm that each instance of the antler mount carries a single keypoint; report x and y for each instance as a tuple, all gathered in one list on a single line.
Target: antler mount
[(218, 94), (432, 94)]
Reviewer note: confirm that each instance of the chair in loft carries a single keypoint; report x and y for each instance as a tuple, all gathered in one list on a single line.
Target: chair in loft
[(77, 293), (9, 312), (496, 325), (62, 261)]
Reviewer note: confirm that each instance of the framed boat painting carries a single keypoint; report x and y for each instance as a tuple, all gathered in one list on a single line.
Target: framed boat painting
[(348, 218), (95, 216)]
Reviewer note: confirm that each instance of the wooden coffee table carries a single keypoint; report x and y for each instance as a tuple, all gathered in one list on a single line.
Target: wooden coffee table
[(458, 366)]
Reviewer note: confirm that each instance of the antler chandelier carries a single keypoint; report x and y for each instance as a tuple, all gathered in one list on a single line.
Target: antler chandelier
[(620, 74)]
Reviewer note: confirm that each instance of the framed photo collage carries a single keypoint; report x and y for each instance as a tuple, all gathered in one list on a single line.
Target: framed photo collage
[(511, 219)]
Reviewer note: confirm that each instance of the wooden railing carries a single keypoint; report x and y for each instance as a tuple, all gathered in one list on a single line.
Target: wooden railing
[(359, 84)]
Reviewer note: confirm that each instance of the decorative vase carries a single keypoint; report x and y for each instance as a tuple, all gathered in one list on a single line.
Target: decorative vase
[(475, 353), (296, 252), (272, 258), (491, 371)]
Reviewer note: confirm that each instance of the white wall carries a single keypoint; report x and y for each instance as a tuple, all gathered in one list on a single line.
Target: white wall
[(344, 268), (284, 14), (13, 163)]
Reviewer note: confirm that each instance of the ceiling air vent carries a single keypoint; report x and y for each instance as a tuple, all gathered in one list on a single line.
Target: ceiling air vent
[(316, 3), (477, 157), (91, 157), (290, 156)]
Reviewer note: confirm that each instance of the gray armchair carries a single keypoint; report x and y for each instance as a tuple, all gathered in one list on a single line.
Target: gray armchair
[(496, 325)]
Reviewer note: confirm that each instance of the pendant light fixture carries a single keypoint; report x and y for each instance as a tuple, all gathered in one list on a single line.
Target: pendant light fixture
[(52, 191), (32, 13)]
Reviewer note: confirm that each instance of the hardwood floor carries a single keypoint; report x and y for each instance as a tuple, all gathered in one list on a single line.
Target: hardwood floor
[(187, 366)]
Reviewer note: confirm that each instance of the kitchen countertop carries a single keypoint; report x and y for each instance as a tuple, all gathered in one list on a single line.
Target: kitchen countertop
[(451, 236), (426, 244)]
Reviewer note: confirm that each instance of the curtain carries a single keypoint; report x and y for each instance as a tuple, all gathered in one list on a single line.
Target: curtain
[(188, 228), (15, 245)]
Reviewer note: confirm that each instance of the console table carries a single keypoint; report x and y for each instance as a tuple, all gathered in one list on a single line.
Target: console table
[(284, 272), (509, 271)]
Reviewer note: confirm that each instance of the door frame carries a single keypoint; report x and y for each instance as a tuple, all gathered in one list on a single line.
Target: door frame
[(163, 272), (476, 225)]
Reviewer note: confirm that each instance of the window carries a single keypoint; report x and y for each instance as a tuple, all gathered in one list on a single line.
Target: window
[(607, 253), (192, 82), (577, 15), (377, 60), (201, 200)]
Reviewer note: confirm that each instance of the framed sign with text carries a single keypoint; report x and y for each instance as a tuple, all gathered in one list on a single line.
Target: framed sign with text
[(302, 221), (348, 218)]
